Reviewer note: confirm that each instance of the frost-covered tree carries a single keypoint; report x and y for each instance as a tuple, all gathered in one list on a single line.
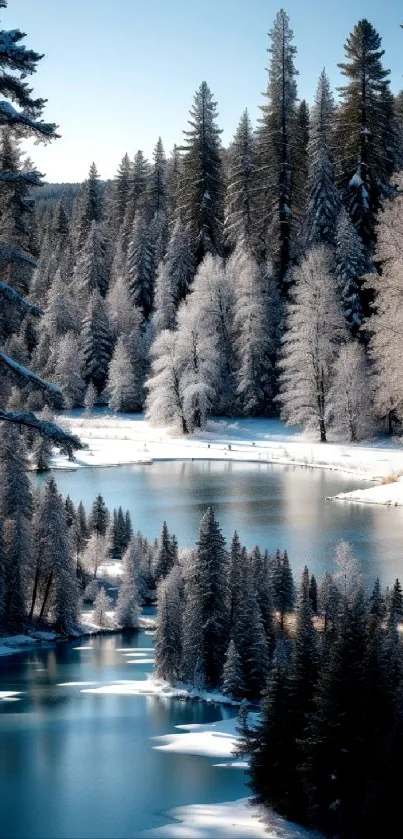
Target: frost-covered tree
[(201, 189), (174, 277), (120, 193), (128, 602), (92, 267), (212, 300), (96, 553), (102, 604), (256, 317), (276, 146), (168, 640), (386, 344), (350, 409), (136, 200), (315, 331), (363, 134), (124, 384), (323, 201), (99, 517), (68, 370), (96, 343), (199, 365), (165, 399), (240, 200)]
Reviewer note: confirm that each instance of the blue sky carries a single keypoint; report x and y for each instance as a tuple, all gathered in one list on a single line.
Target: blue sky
[(119, 73)]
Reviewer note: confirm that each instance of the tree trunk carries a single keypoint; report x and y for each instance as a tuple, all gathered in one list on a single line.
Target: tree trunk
[(48, 585)]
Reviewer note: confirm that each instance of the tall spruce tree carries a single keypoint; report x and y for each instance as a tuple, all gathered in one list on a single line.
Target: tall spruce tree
[(201, 185), (362, 129), (276, 146), (240, 201), (323, 201)]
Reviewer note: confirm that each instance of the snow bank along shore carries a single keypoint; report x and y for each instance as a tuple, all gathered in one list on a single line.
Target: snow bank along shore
[(114, 441)]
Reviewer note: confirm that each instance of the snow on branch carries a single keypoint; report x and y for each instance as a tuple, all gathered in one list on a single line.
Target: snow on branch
[(32, 177), (10, 254), (14, 297), (9, 114), (62, 439), (28, 375)]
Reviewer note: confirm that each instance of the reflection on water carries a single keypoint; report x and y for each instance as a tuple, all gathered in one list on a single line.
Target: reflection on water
[(76, 764), (272, 506)]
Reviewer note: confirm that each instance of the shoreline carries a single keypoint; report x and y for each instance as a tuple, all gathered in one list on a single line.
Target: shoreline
[(123, 441)]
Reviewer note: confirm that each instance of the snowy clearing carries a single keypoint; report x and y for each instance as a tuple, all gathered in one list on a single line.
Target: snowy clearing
[(116, 441), (225, 821)]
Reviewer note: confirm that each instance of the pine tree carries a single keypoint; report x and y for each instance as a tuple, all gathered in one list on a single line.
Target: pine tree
[(166, 556), (256, 317), (96, 343), (240, 202), (233, 684), (315, 330), (276, 144), (88, 207), (323, 203), (91, 271), (120, 193), (168, 641), (123, 385), (201, 192), (282, 585), (157, 191), (136, 200), (350, 263), (17, 62), (362, 130), (99, 517), (128, 602), (140, 267), (212, 596)]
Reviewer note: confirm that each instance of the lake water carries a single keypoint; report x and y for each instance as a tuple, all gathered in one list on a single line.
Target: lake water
[(77, 765), (272, 506)]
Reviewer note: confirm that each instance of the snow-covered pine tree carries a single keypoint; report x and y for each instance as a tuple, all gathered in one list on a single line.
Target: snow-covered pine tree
[(276, 146), (88, 207), (201, 188), (119, 194), (124, 385), (174, 277), (213, 595), (233, 681), (140, 269), (16, 63), (168, 640), (167, 554), (136, 200), (96, 343), (67, 375), (315, 332), (362, 133), (99, 517), (157, 189), (128, 602), (350, 264), (323, 202), (240, 200), (92, 267)]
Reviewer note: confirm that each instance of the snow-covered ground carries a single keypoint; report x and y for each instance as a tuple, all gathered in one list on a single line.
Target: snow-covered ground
[(114, 441), (230, 820), (10, 644)]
